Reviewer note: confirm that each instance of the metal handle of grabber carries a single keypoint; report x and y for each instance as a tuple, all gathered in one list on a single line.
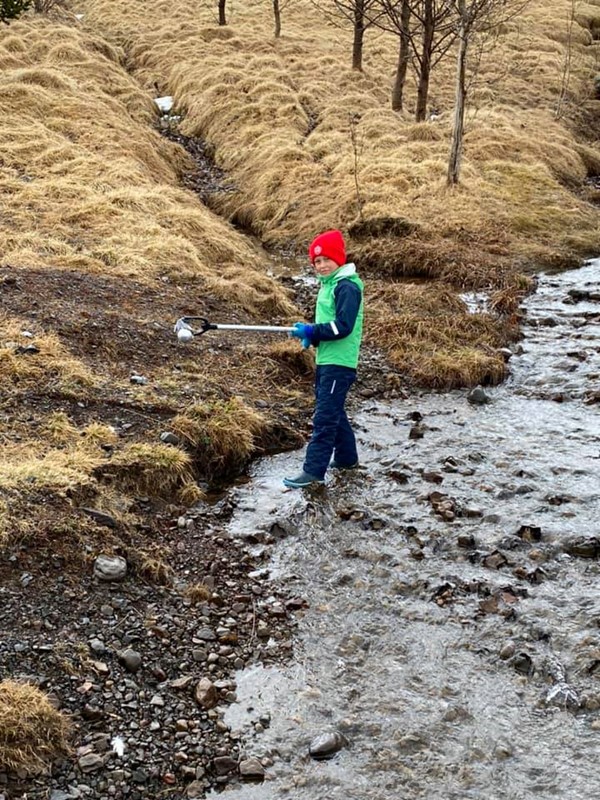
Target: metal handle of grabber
[(183, 324), (268, 328)]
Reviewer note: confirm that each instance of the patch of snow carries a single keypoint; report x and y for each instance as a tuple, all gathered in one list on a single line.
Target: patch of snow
[(476, 302), (164, 103)]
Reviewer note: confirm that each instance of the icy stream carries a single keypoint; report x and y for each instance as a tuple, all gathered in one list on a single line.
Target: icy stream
[(459, 657)]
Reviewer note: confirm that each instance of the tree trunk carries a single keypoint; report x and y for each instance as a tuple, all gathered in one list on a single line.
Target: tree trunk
[(359, 34), (403, 58), (222, 18), (425, 62), (277, 13), (456, 146)]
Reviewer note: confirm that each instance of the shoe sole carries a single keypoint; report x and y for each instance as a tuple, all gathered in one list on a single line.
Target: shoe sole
[(292, 485)]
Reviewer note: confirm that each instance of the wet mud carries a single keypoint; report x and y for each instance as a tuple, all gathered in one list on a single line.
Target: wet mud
[(448, 639)]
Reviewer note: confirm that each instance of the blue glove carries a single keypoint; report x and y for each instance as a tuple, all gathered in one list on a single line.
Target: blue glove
[(304, 332)]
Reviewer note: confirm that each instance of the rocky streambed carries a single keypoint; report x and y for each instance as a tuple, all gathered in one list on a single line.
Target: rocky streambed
[(451, 643), (443, 600)]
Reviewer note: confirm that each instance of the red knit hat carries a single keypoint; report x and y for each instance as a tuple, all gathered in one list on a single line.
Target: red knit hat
[(329, 244)]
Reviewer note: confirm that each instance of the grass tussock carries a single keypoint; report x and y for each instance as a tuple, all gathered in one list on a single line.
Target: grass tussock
[(142, 468), (431, 338), (291, 359), (221, 435), (152, 565), (297, 130), (198, 593), (32, 732), (66, 472)]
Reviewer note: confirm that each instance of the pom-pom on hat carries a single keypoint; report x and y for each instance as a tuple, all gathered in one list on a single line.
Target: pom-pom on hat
[(329, 244)]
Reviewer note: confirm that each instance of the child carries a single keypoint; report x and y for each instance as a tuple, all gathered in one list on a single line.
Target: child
[(336, 334)]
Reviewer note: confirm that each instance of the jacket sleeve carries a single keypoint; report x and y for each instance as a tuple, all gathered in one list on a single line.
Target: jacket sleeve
[(348, 298)]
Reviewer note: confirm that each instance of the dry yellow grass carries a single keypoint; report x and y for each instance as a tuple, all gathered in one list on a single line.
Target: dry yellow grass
[(143, 468), (39, 360), (278, 113), (32, 732), (198, 593), (86, 182), (432, 338), (222, 435)]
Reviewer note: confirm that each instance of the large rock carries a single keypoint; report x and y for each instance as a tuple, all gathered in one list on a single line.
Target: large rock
[(110, 568)]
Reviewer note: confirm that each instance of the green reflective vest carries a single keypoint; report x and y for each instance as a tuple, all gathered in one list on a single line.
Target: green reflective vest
[(342, 352)]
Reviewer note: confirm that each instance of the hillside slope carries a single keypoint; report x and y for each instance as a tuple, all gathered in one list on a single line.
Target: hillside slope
[(290, 122)]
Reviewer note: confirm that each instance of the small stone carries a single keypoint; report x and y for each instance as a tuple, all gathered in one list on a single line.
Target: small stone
[(416, 432), (583, 547), (195, 790), (206, 694), (326, 744), (90, 762), (472, 512), (206, 634), (495, 560), (478, 397), (432, 477), (169, 438), (466, 541), (523, 663), (251, 770), (410, 743), (507, 651), (139, 776), (530, 533), (131, 660), (223, 765), (101, 517), (180, 684)]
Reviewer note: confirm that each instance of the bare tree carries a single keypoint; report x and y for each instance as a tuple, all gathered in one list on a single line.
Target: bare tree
[(278, 6), (403, 56), (353, 120), (567, 61), (43, 6), (427, 30), (472, 17), (438, 36), (361, 13), (277, 15)]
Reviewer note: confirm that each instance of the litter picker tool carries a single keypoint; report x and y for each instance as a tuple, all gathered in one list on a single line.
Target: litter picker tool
[(188, 327)]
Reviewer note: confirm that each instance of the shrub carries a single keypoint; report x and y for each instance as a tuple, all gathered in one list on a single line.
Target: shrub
[(32, 732)]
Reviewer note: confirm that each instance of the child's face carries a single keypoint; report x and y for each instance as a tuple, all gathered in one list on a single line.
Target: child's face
[(325, 266)]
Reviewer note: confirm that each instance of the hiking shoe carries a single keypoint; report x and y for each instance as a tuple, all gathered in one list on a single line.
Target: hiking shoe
[(301, 481), (335, 465)]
